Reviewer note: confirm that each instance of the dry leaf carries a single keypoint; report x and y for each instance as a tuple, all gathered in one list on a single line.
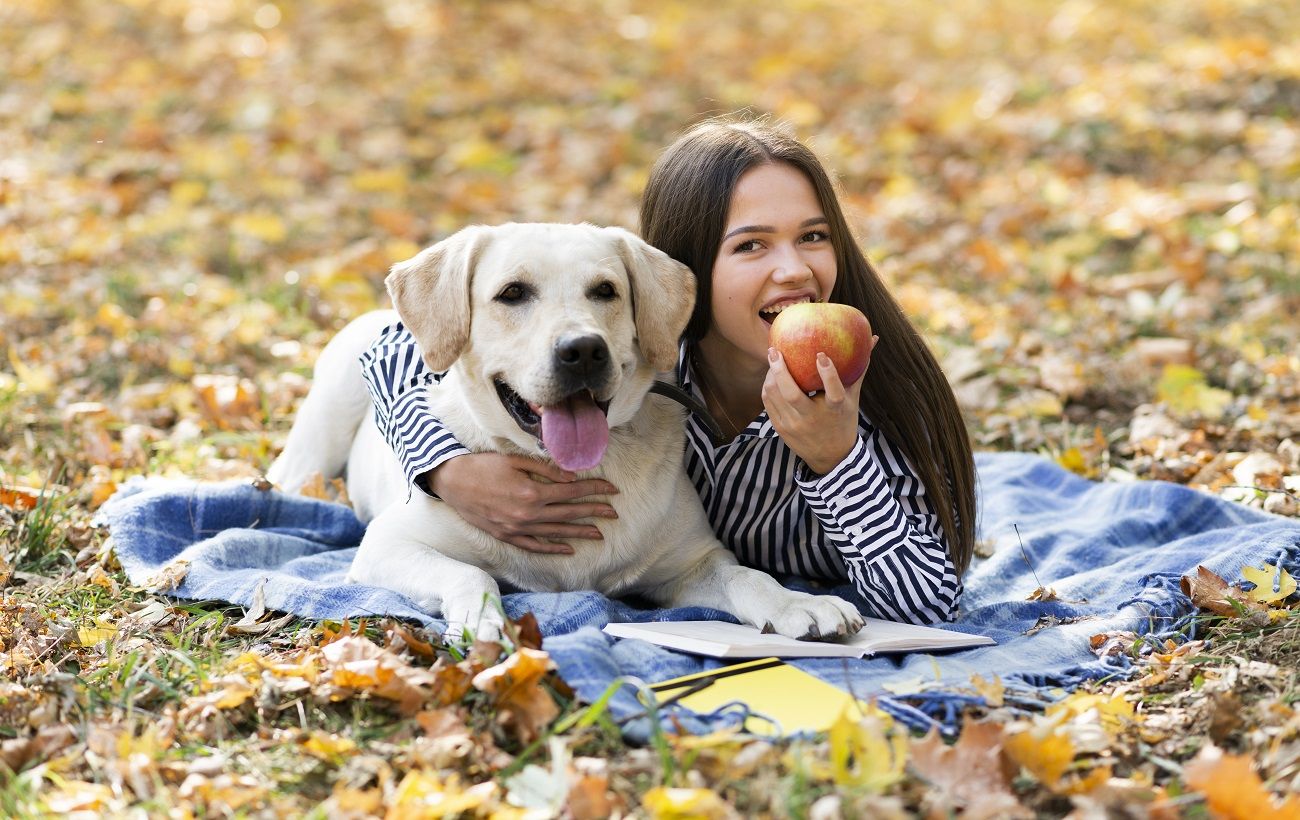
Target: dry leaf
[(1045, 751), (686, 804), (971, 775), (1209, 591), (515, 685), (1233, 790)]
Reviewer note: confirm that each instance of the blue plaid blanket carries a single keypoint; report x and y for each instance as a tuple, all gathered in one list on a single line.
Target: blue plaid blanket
[(1113, 553)]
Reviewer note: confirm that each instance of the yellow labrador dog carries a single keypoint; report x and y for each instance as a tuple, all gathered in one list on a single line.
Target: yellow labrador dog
[(550, 336)]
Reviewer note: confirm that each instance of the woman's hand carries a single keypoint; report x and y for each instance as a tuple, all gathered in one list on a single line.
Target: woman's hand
[(820, 429), (521, 500)]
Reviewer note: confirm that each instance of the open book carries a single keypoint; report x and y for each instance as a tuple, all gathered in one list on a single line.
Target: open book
[(724, 640)]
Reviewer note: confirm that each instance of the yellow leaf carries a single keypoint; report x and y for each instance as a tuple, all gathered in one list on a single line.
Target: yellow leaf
[(329, 747), (1113, 710), (1184, 389), (103, 629), (1263, 580), (477, 154), (35, 379), (188, 191), (1073, 460), (264, 226), (1045, 755), (865, 752), (684, 804), (422, 794), (390, 180)]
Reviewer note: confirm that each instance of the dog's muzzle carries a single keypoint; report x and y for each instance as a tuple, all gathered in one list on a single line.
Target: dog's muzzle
[(582, 363)]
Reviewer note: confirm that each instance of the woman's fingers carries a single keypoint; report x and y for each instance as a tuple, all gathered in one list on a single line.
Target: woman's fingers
[(830, 380), (779, 381)]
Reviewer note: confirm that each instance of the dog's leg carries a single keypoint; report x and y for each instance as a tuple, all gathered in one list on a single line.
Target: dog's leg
[(395, 556), (334, 408), (756, 598)]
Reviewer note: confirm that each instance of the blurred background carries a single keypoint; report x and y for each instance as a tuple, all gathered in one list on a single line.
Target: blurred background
[(1090, 208)]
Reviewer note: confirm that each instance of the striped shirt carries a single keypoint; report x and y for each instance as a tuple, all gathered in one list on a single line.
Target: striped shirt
[(867, 521)]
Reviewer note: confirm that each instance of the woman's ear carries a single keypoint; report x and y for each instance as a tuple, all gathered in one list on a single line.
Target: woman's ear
[(663, 295), (431, 294)]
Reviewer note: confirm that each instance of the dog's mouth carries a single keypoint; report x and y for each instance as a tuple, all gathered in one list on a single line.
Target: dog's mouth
[(575, 430)]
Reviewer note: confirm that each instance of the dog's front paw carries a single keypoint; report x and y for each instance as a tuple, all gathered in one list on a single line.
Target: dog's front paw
[(815, 617), (478, 617)]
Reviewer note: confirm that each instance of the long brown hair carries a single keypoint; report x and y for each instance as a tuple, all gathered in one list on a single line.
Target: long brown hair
[(906, 395)]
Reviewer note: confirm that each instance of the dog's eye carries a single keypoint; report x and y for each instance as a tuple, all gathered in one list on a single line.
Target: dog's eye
[(604, 291), (513, 293)]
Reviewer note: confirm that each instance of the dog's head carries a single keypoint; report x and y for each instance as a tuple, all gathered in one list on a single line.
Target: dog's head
[(566, 324)]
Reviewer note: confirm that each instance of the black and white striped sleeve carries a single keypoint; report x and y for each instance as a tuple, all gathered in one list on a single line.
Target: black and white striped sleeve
[(874, 509), (396, 377)]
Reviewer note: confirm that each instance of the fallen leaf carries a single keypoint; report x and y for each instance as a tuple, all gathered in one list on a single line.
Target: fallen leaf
[(423, 794), (1233, 790), (515, 686), (866, 751), (971, 775), (1211, 592), (1272, 583), (1044, 751), (686, 804)]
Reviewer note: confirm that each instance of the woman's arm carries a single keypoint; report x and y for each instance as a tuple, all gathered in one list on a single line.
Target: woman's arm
[(873, 507), (397, 378), (530, 503)]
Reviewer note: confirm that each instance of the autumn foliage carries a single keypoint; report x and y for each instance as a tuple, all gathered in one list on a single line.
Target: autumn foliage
[(1088, 207)]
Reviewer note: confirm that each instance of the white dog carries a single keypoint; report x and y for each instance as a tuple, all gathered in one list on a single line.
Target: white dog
[(550, 336)]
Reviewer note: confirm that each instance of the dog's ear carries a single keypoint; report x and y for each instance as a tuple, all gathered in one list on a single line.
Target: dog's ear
[(663, 295), (431, 294)]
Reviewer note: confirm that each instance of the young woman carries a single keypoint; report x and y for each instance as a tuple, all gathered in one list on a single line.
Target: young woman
[(871, 482)]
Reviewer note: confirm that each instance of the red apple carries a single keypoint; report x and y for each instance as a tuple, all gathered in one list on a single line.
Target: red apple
[(800, 332)]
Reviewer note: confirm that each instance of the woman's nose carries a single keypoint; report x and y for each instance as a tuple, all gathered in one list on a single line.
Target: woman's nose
[(791, 267)]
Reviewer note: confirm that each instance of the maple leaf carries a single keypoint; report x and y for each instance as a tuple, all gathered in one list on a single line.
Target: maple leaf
[(1265, 580), (972, 774), (1233, 790), (515, 685)]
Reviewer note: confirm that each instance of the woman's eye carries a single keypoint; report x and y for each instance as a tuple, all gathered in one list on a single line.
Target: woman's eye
[(747, 246), (512, 293), (816, 236)]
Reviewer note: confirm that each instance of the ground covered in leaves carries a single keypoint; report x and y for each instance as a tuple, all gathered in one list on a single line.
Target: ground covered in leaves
[(1089, 207)]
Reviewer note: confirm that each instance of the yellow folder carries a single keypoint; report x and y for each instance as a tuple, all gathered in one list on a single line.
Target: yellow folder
[(782, 698)]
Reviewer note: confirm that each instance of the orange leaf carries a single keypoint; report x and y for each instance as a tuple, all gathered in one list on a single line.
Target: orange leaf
[(1045, 755), (516, 687), (1233, 790)]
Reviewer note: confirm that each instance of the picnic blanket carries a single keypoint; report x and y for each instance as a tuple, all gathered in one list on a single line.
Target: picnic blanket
[(1112, 552)]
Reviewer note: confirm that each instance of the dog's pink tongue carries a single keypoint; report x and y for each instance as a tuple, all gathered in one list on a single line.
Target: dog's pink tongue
[(575, 433)]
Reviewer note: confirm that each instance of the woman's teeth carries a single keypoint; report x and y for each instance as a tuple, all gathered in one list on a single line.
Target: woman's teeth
[(770, 312)]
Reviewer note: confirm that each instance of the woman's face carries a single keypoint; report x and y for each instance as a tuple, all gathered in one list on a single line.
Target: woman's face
[(776, 251)]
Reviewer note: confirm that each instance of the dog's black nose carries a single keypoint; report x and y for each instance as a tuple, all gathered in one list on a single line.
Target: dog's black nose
[(582, 355)]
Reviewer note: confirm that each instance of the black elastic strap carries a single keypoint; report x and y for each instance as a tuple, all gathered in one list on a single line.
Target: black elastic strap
[(691, 403)]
